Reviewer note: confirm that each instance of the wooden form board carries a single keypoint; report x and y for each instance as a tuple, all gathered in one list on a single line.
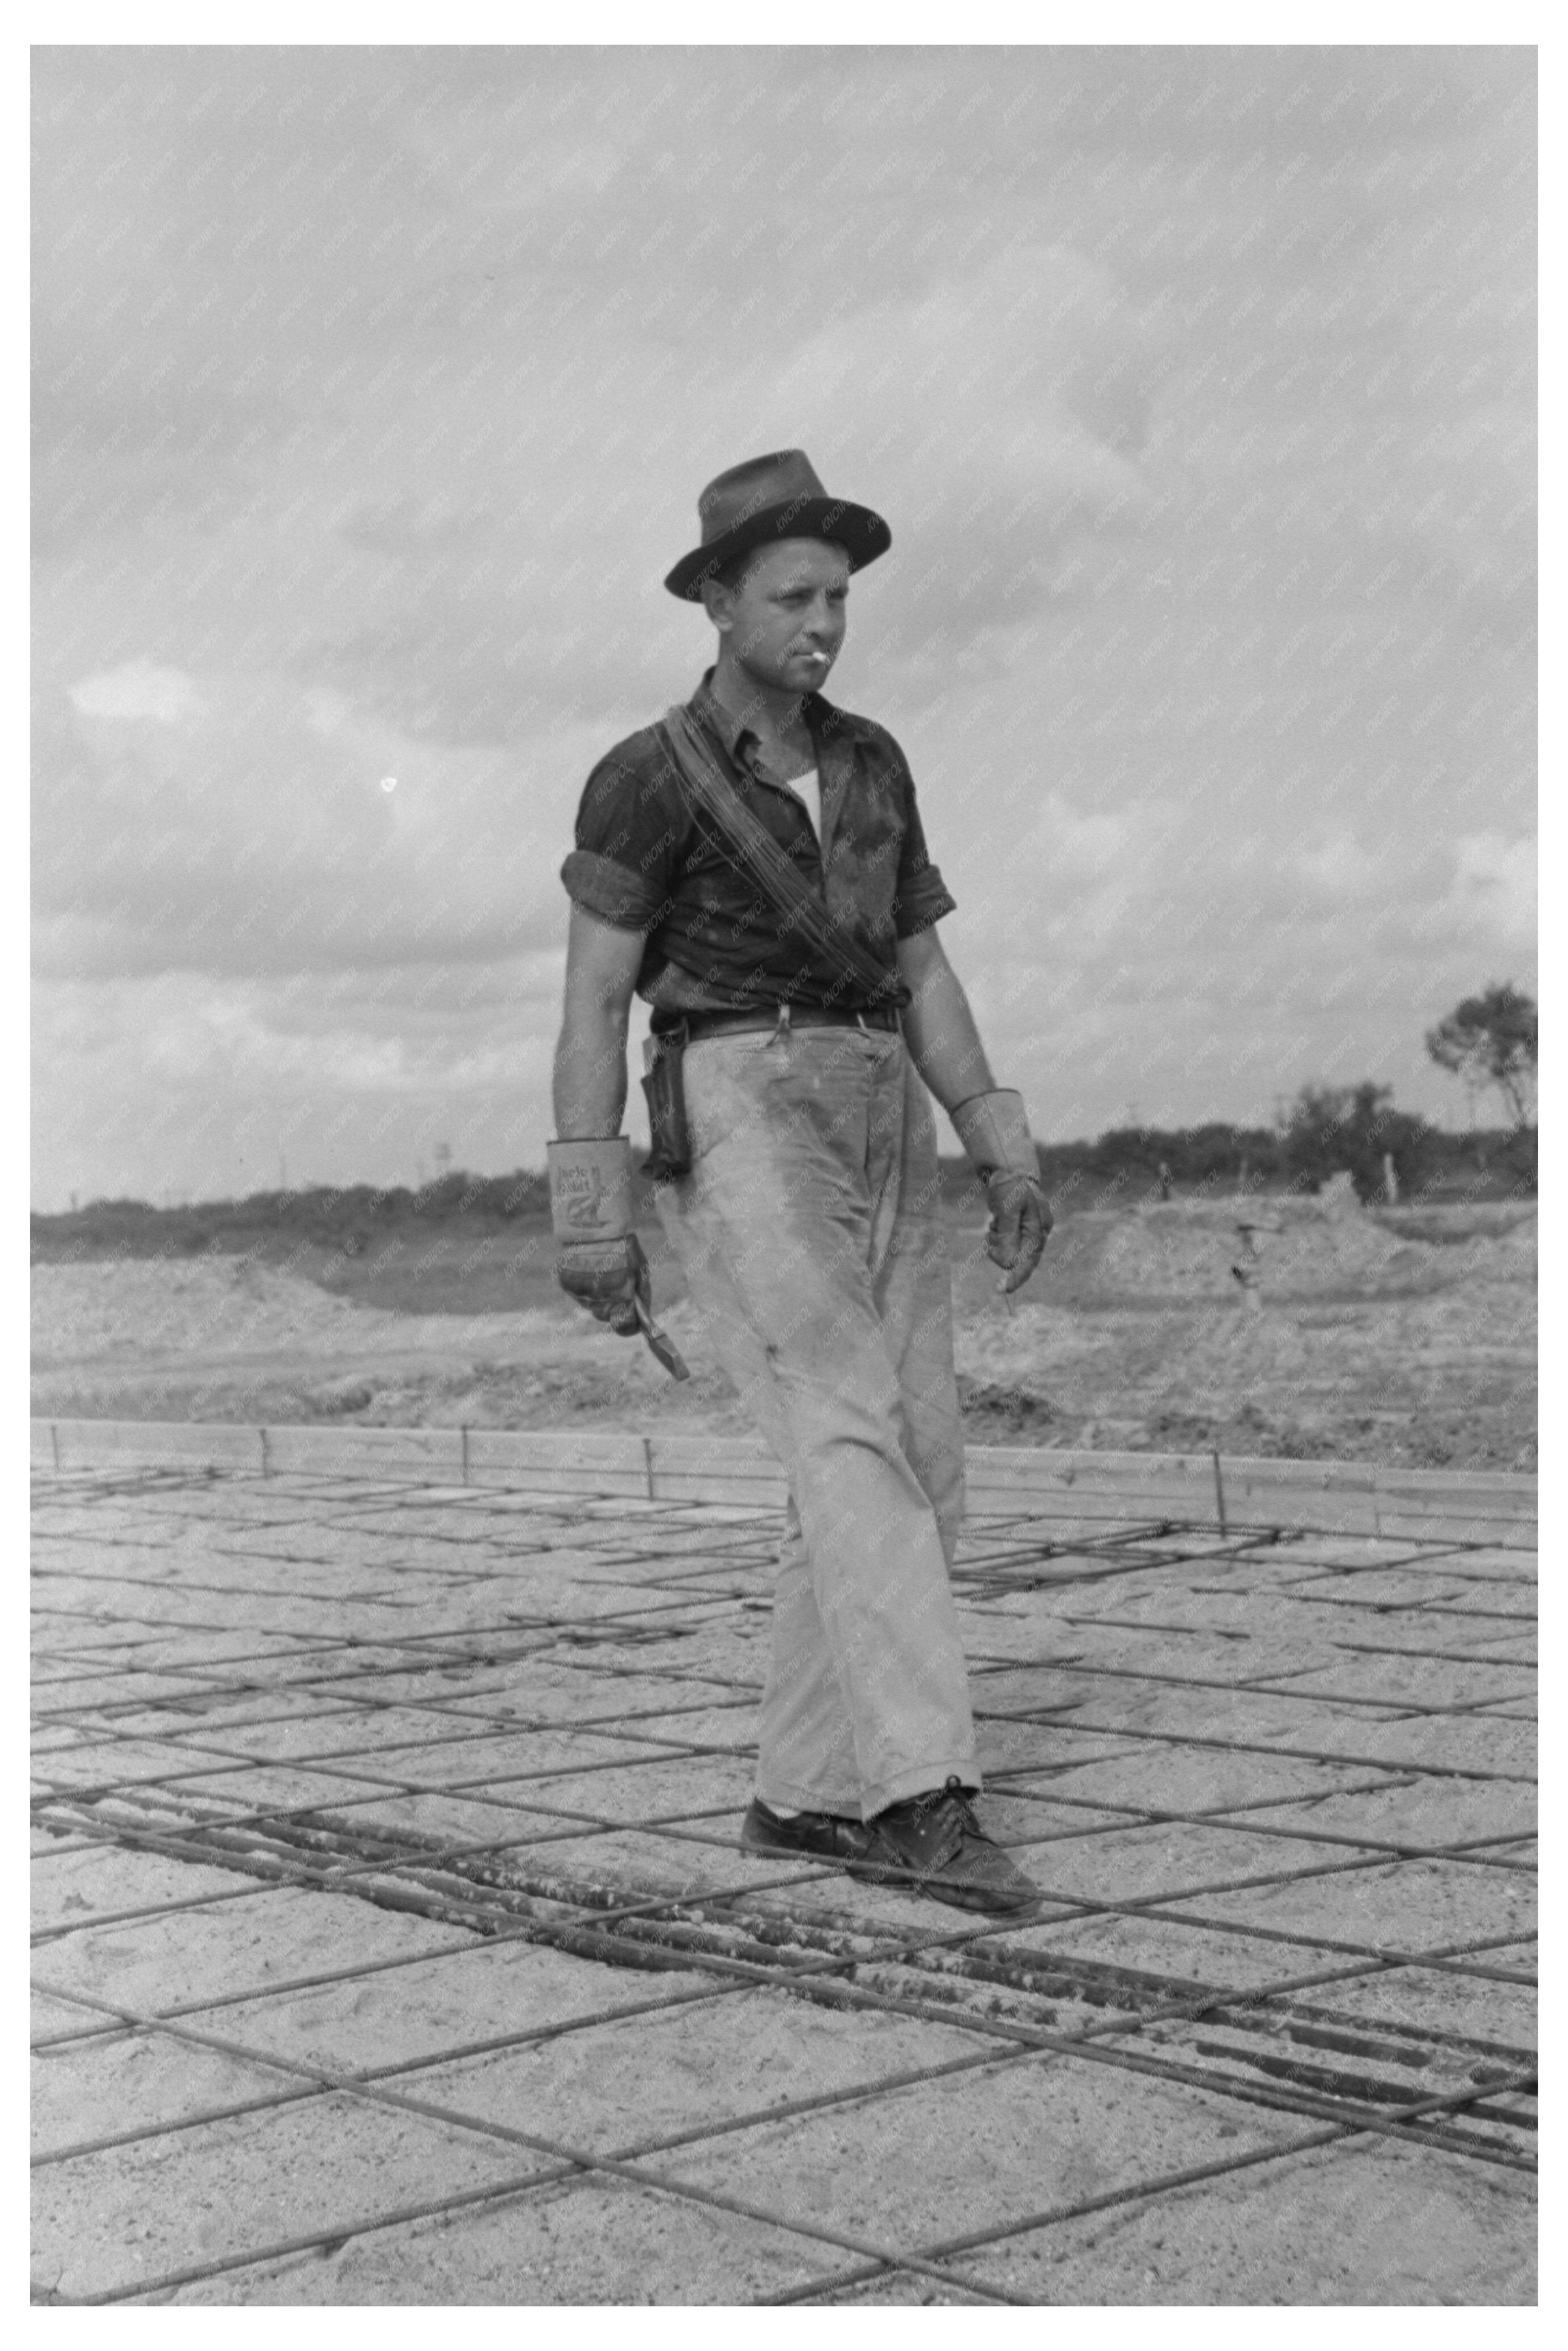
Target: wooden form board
[(1225, 1493)]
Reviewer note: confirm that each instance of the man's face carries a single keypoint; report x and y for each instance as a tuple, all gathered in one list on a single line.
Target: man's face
[(785, 623)]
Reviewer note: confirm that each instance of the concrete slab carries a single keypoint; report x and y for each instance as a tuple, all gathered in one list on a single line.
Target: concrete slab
[(1368, 2225), (529, 2026), (602, 2242), (198, 2197), (987, 2148)]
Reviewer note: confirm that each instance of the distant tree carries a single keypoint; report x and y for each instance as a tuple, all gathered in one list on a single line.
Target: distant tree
[(1330, 1128), (1193, 1154), (1490, 1040)]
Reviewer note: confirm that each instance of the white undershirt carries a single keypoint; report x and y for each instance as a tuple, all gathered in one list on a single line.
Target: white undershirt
[(808, 788)]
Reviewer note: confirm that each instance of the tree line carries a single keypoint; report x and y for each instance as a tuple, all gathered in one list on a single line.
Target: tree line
[(1488, 1042)]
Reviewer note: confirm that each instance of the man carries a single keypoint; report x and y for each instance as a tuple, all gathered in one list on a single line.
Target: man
[(807, 1222)]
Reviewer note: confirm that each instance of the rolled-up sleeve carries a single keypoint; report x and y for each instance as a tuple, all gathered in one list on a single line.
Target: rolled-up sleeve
[(922, 897), (629, 833)]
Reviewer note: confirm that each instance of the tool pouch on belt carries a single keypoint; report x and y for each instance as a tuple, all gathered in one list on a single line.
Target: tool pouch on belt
[(665, 1086)]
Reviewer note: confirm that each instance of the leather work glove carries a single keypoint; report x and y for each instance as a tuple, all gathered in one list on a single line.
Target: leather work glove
[(994, 1133), (598, 1258), (608, 1278)]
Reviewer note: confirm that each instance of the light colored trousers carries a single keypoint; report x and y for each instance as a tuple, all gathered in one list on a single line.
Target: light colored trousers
[(809, 1233)]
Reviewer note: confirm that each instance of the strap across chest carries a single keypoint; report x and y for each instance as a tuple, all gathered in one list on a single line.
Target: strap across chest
[(758, 857)]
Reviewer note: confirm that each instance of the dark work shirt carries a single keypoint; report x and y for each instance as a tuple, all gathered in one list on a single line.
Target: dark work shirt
[(645, 861)]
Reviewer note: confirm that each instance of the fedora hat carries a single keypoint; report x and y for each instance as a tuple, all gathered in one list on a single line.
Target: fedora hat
[(767, 499)]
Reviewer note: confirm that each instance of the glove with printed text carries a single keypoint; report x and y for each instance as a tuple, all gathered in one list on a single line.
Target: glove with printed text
[(599, 1261)]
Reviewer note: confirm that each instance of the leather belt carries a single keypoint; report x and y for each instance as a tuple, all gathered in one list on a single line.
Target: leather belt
[(790, 1016)]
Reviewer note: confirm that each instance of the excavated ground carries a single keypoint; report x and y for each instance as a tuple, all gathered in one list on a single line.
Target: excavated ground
[(1253, 1327), (394, 1943)]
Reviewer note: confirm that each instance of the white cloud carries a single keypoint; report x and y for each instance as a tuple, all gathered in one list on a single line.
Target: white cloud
[(1337, 864), (256, 836), (182, 1082), (398, 503), (138, 689), (1493, 898)]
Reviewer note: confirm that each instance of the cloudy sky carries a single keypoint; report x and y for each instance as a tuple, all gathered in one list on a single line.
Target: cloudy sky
[(374, 389)]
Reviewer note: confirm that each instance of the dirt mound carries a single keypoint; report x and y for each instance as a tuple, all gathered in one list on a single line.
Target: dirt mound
[(143, 1308), (1288, 1248), (1350, 1337)]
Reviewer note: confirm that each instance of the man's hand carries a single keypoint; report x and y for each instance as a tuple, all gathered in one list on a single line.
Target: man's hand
[(599, 1258), (994, 1133), (945, 1046), (608, 1278), (1021, 1223)]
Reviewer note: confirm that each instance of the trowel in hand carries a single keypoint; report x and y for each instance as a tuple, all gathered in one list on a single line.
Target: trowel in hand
[(660, 1344)]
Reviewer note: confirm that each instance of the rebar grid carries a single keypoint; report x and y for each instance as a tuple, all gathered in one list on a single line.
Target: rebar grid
[(1281, 1866)]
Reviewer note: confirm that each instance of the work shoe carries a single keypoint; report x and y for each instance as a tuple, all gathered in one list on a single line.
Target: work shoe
[(826, 1835), (933, 1844)]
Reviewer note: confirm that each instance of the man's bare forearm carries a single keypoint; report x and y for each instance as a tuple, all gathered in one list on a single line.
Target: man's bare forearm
[(590, 1072), (602, 965), (942, 1039)]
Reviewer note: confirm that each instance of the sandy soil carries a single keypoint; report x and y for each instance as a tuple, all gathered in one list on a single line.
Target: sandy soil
[(1269, 1327)]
